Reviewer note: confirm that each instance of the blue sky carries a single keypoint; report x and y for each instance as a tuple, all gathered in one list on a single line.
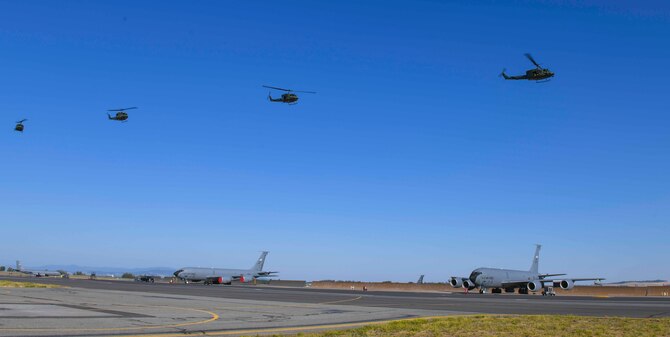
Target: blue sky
[(414, 157)]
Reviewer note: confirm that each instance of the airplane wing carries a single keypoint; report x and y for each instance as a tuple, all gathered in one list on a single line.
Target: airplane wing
[(558, 280), (509, 284), (587, 279), (542, 276), (266, 273), (555, 282)]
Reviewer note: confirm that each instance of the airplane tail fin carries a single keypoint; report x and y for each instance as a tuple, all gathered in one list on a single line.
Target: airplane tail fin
[(258, 266), (420, 281), (19, 267), (536, 259)]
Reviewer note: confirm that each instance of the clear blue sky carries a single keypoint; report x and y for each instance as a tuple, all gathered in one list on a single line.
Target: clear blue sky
[(413, 158)]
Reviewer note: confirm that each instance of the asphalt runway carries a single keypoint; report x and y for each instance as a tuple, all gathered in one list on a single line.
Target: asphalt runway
[(101, 308)]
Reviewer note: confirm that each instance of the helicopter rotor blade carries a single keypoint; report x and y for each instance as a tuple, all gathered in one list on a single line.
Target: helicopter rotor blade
[(306, 92), (134, 107), (532, 60), (266, 86), (23, 120)]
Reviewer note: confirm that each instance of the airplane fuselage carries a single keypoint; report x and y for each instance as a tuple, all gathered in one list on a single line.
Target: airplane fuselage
[(215, 275), (223, 275), (496, 278), (41, 273)]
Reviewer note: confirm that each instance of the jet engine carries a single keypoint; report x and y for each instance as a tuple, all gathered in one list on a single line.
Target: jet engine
[(535, 286), (469, 285), (217, 280), (456, 282), (567, 284), (245, 278)]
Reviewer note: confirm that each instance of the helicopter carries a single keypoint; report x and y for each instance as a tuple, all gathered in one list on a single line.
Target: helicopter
[(289, 97), (19, 125), (121, 114), (537, 74)]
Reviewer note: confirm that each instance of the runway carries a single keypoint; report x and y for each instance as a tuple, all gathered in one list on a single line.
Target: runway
[(104, 308)]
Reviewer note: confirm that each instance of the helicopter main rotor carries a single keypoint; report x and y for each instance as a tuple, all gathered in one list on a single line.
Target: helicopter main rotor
[(289, 90), (533, 60), (120, 110)]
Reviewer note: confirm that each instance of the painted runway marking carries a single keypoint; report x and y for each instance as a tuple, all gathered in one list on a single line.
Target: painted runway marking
[(292, 329), (213, 317)]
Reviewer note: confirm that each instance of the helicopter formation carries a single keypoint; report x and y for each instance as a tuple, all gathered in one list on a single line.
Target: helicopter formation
[(538, 74)]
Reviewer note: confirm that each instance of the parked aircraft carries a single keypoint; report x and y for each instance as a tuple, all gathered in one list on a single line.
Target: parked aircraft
[(508, 279), (224, 276), (37, 273)]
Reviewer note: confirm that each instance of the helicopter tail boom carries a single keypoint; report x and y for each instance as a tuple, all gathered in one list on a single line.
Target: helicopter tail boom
[(273, 99), (502, 73)]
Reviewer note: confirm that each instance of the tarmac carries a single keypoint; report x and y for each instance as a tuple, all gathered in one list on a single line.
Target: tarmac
[(123, 308)]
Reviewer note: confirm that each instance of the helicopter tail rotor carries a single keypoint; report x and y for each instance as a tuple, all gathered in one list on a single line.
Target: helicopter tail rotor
[(503, 75), (109, 116)]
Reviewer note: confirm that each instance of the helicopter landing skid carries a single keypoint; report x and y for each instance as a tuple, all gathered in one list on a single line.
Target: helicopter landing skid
[(543, 81)]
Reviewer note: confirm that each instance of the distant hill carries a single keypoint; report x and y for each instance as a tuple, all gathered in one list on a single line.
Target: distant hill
[(116, 271), (644, 281)]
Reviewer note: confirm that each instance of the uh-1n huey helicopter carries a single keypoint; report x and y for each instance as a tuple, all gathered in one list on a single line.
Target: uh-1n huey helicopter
[(289, 97), (19, 125), (537, 74), (121, 114)]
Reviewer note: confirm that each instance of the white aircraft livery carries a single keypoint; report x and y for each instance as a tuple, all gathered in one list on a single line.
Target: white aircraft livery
[(224, 276), (509, 279)]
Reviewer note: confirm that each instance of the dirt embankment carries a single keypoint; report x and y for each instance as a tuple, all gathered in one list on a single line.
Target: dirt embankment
[(437, 287)]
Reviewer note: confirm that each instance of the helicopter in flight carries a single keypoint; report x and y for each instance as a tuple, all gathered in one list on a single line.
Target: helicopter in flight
[(537, 74), (19, 125), (289, 97), (121, 114)]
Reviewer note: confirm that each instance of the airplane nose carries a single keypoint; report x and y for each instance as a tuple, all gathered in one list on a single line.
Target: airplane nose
[(176, 274)]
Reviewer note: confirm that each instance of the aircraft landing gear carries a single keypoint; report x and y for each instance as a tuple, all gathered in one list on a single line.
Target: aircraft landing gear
[(523, 291), (548, 291), (496, 291)]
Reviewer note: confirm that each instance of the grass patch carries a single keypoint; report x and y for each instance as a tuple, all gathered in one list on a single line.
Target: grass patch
[(13, 284), (525, 325)]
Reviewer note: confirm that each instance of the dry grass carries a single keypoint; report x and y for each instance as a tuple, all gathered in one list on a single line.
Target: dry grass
[(527, 325), (13, 284)]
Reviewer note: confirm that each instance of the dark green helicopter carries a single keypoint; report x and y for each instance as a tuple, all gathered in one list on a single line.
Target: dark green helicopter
[(289, 97), (121, 114), (537, 74), (19, 125)]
